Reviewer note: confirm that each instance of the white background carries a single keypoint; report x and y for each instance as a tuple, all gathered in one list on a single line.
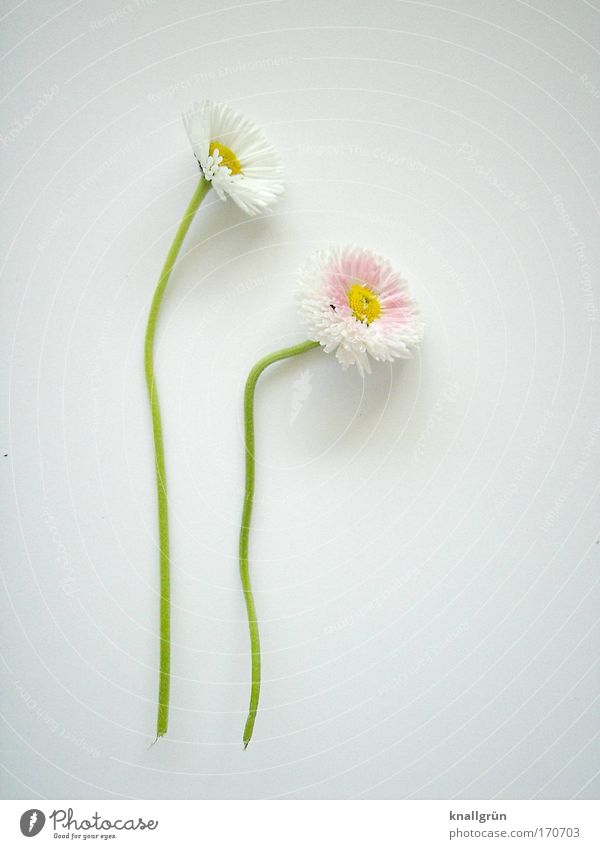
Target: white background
[(425, 544)]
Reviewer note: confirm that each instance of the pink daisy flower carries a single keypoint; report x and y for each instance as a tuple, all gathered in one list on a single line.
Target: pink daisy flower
[(357, 305)]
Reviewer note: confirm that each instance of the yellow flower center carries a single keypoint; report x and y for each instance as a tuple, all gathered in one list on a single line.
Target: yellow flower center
[(364, 303), (230, 160)]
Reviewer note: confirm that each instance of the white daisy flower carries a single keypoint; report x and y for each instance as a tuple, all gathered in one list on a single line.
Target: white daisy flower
[(357, 305), (234, 156)]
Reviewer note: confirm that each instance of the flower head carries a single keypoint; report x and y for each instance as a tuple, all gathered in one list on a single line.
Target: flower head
[(357, 305), (234, 155)]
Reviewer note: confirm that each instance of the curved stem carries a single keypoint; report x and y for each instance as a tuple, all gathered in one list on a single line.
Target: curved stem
[(255, 373), (159, 458)]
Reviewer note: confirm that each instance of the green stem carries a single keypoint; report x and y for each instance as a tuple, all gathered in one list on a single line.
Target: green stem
[(159, 458), (256, 372)]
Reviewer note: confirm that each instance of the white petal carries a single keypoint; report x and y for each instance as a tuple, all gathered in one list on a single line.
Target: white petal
[(260, 182)]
